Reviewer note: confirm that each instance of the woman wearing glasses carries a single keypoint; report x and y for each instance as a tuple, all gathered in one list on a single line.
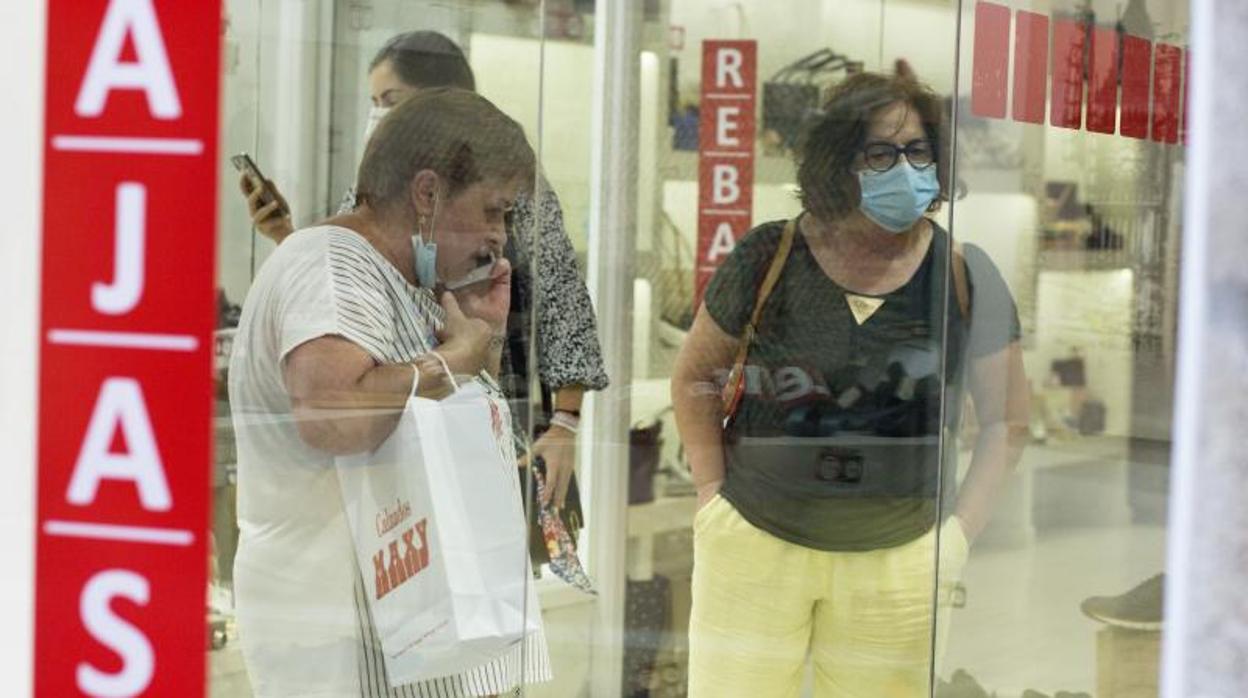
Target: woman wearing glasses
[(827, 490)]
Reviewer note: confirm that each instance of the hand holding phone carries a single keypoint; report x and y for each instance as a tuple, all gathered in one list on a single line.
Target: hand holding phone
[(269, 211)]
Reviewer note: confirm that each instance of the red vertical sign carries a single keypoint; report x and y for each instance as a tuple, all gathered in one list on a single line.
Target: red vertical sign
[(1137, 57), (989, 72), (1167, 95), (1069, 37), (129, 248), (1031, 66), (1103, 81), (726, 153), (1187, 86)]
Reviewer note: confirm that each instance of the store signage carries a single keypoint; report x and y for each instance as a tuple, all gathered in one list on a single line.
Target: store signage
[(726, 153), (1132, 87), (125, 374)]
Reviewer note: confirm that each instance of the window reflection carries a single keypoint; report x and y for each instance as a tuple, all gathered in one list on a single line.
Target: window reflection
[(868, 518)]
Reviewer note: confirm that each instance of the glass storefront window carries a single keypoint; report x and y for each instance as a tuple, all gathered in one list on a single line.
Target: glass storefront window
[(948, 469)]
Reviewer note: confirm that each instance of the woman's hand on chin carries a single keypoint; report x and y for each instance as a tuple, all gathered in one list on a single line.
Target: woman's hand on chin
[(465, 342), (489, 300)]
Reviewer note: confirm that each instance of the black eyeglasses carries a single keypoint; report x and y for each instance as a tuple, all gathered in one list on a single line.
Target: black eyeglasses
[(881, 156)]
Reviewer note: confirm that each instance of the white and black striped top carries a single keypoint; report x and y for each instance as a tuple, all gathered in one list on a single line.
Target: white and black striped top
[(304, 623)]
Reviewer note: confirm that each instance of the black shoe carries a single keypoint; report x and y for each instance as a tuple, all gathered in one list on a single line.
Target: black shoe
[(1138, 609), (961, 685)]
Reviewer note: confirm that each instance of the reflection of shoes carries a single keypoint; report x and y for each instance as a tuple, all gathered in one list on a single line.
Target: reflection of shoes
[(1137, 609), (961, 685), (1029, 693)]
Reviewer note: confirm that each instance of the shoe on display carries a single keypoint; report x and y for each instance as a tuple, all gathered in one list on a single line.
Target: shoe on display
[(1140, 608), (961, 685)]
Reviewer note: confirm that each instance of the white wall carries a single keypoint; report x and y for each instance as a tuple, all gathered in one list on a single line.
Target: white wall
[(22, 32), (239, 114), (508, 71), (1091, 310), (875, 32)]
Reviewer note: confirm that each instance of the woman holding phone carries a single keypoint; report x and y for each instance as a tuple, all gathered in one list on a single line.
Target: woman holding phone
[(340, 327)]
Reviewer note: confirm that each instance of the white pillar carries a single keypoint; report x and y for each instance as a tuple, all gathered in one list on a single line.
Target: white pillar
[(1206, 639), (22, 33), (612, 235)]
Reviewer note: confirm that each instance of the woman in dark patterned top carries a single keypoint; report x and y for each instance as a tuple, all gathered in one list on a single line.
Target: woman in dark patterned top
[(828, 497), (544, 270)]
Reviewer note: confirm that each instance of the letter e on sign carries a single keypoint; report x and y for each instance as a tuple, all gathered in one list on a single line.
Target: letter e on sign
[(727, 118)]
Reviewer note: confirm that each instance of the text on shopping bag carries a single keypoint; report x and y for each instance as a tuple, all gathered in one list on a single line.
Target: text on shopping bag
[(396, 568)]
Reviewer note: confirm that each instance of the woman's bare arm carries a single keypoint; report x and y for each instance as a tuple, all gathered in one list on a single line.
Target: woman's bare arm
[(998, 386), (703, 361)]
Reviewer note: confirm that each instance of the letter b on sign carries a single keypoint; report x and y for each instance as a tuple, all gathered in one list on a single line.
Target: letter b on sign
[(726, 185)]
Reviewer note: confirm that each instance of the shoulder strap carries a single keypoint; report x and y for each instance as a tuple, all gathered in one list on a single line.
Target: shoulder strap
[(960, 287), (736, 384)]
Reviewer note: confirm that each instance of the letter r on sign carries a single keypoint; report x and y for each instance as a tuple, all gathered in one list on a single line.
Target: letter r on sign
[(728, 62)]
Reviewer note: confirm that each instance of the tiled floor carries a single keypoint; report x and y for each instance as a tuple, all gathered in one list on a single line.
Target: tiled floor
[(1021, 627)]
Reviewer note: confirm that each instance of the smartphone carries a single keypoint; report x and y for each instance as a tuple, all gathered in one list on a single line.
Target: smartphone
[(243, 163), (476, 276)]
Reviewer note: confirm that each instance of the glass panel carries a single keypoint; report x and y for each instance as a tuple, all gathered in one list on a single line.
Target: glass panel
[(811, 568), (365, 544), (241, 27), (1075, 192)]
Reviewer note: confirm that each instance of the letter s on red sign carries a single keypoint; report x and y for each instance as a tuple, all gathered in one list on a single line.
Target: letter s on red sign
[(138, 661)]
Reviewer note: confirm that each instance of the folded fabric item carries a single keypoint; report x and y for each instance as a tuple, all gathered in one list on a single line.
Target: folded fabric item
[(559, 545)]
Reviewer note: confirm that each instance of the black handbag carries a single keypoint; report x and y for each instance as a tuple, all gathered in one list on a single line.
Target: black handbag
[(792, 97)]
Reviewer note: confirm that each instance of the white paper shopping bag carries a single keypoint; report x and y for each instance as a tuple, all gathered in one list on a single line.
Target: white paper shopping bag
[(440, 536)]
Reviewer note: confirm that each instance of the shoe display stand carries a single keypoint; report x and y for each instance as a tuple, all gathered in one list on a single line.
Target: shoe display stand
[(1127, 663)]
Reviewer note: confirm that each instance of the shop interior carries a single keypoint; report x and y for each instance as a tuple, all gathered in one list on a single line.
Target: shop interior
[(1084, 226)]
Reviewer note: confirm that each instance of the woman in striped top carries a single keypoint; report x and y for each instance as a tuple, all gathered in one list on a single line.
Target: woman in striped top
[(341, 325)]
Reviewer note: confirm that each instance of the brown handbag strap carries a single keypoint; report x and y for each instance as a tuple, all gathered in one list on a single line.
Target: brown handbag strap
[(769, 283), (960, 287)]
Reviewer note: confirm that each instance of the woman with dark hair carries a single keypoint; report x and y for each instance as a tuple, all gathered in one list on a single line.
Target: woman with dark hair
[(341, 325), (545, 277), (825, 468)]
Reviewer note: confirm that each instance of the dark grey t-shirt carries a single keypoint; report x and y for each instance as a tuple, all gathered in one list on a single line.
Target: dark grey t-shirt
[(836, 444)]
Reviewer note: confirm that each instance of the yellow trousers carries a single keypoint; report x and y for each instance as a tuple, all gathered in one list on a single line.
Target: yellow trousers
[(762, 606)]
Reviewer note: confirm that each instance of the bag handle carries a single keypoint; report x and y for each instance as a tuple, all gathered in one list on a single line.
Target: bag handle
[(735, 386), (960, 288), (734, 389), (447, 370)]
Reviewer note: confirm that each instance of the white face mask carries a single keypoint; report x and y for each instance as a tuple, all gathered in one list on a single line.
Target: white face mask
[(375, 115)]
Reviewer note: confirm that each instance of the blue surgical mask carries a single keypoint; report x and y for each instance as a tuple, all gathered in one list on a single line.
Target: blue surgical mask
[(896, 198), (426, 254), (375, 115)]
